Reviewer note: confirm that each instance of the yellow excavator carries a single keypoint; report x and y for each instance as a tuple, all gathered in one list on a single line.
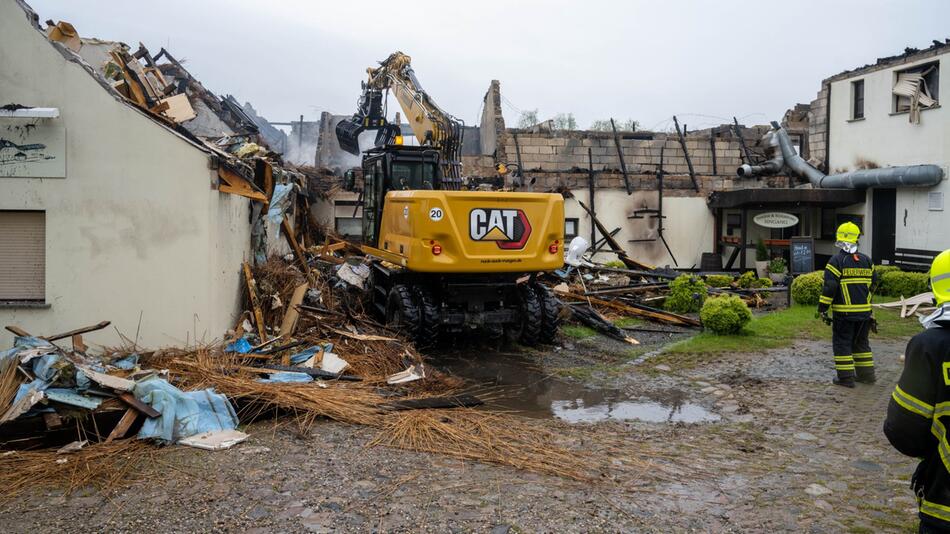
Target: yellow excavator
[(444, 259)]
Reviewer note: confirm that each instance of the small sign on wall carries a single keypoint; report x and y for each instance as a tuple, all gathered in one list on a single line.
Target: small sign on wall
[(30, 150), (775, 219)]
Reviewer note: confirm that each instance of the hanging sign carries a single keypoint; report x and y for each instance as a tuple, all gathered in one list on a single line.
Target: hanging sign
[(775, 219)]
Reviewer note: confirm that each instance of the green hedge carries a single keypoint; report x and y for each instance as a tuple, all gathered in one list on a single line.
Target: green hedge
[(726, 314), (718, 280), (806, 288), (761, 282), (901, 284), (687, 294), (746, 280)]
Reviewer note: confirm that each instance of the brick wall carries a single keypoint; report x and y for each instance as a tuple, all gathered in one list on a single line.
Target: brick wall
[(818, 129)]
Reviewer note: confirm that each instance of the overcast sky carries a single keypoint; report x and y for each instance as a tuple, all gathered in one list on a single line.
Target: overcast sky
[(705, 61)]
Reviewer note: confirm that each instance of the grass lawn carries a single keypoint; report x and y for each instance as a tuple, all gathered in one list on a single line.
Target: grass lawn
[(577, 331), (782, 328)]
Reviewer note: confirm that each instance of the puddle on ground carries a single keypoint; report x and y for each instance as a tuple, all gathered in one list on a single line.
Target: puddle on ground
[(513, 383)]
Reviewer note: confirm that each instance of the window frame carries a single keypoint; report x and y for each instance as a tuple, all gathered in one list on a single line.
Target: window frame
[(857, 114), (577, 227)]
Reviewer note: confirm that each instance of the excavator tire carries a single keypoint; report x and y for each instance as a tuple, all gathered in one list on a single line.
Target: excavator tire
[(430, 318), (531, 316), (402, 312), (550, 313)]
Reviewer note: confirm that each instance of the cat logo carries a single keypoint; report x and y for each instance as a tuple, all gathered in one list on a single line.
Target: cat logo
[(509, 229)]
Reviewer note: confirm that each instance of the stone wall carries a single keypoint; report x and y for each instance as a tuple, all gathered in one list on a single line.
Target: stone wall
[(818, 128)]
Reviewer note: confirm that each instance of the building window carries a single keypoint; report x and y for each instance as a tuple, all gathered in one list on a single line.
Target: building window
[(348, 218), (828, 224), (570, 228), (23, 256), (916, 88), (733, 223), (857, 99)]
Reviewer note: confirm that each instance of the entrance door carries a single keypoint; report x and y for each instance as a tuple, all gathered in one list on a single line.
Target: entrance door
[(883, 225)]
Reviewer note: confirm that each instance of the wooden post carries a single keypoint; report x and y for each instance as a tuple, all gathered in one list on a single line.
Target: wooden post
[(689, 162), (744, 232), (623, 164), (712, 149), (590, 190), (255, 302), (288, 231), (745, 149)]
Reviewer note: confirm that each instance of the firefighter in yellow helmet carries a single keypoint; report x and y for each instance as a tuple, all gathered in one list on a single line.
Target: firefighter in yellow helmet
[(847, 293), (919, 411)]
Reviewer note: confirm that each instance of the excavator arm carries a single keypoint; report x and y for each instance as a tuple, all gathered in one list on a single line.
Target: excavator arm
[(430, 124)]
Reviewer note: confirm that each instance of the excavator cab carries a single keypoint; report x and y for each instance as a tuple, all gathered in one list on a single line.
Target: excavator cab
[(394, 168)]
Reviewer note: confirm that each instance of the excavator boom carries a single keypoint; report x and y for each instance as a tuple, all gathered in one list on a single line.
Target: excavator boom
[(430, 124)]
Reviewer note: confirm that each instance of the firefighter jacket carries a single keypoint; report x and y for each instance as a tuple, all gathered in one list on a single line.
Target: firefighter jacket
[(918, 416), (847, 287)]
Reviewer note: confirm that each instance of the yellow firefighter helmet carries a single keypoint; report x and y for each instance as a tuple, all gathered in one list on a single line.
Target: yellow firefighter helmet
[(848, 233), (940, 277)]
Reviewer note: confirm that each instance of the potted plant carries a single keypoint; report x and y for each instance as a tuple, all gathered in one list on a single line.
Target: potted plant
[(761, 259), (778, 268)]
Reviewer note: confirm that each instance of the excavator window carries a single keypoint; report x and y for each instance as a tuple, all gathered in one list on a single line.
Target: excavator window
[(413, 175)]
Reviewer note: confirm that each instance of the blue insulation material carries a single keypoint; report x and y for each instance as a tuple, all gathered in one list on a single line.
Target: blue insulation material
[(305, 354), (279, 202), (43, 367), (286, 376), (128, 363), (241, 346), (184, 414)]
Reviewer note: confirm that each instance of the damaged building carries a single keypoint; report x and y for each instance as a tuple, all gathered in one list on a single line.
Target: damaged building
[(128, 189)]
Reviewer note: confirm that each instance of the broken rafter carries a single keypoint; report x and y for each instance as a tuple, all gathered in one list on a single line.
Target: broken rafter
[(656, 315), (689, 162), (255, 302), (614, 246), (623, 164)]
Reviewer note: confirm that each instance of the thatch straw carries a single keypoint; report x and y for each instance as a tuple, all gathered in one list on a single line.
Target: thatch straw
[(10, 381), (102, 465), (485, 437)]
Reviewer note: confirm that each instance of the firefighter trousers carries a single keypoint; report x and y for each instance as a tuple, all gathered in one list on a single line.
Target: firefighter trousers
[(849, 340)]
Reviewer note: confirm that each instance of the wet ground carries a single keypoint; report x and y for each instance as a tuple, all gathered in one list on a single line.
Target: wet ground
[(740, 442)]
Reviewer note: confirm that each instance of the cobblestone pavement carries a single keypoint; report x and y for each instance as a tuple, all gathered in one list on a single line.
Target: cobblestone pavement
[(792, 453)]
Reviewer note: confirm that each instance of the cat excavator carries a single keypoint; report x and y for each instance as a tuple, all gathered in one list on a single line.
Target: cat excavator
[(446, 260)]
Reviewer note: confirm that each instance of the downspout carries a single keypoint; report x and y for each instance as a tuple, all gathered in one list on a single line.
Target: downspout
[(905, 176)]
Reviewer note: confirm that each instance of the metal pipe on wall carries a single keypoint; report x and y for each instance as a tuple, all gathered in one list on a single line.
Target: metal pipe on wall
[(904, 176)]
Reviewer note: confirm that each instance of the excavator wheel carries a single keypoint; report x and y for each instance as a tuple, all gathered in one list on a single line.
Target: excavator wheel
[(530, 316), (402, 312), (550, 313), (430, 318)]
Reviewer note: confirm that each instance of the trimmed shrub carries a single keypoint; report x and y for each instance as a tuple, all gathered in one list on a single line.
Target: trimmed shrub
[(687, 294), (806, 288), (746, 280), (615, 264), (761, 282), (881, 269), (899, 283), (718, 280), (725, 315)]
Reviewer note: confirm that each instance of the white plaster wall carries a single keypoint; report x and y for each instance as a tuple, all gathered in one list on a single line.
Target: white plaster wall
[(135, 229), (688, 227), (889, 140)]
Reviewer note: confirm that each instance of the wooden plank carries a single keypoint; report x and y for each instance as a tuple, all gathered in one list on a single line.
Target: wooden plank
[(178, 108), (18, 331), (78, 345), (292, 315), (122, 427), (130, 399), (236, 184), (288, 231), (623, 164), (665, 317), (83, 330), (255, 302), (689, 162)]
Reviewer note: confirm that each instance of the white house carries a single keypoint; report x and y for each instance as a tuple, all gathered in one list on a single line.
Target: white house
[(890, 114), (105, 213)]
